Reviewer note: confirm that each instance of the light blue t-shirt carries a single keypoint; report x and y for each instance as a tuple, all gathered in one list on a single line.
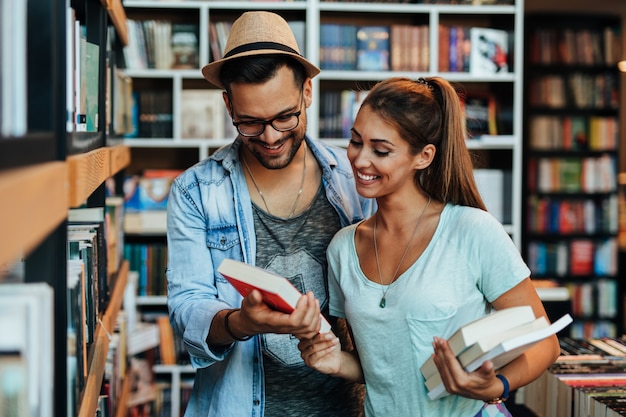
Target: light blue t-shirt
[(470, 261)]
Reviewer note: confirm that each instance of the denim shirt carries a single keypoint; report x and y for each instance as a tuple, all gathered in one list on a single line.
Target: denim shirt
[(209, 219)]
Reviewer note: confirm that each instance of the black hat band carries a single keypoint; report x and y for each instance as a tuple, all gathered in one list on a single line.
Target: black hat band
[(256, 46)]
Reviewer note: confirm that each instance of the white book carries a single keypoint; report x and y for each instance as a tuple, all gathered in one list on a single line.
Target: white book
[(489, 51), (13, 67), (484, 346), (26, 323), (490, 183), (202, 114), (504, 352)]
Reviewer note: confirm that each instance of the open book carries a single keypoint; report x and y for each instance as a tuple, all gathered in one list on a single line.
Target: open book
[(277, 291), (503, 352)]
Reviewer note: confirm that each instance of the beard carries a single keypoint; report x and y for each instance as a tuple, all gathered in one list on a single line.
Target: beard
[(279, 161)]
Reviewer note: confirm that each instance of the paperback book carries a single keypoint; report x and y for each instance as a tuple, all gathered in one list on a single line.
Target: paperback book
[(277, 291)]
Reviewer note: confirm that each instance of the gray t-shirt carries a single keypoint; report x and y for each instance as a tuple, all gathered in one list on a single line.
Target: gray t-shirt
[(296, 248)]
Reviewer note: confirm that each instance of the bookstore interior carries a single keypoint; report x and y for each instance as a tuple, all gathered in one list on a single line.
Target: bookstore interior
[(103, 104)]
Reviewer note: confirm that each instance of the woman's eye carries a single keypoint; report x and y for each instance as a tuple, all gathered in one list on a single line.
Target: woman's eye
[(355, 143), (381, 153)]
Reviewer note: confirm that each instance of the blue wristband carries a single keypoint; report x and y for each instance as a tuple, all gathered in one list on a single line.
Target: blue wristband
[(505, 382), (505, 394)]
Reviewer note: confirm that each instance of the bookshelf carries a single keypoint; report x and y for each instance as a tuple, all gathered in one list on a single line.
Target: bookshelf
[(173, 147), (48, 168), (153, 82), (571, 159)]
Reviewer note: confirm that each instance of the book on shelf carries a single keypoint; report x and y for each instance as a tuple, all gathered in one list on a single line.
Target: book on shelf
[(26, 326), (185, 46), (77, 363), (489, 51), (278, 292), (373, 48), (92, 78), (203, 114), (94, 220), (145, 336), (13, 390), (502, 353), (570, 385), (491, 186), (149, 191), (480, 115), (13, 68), (167, 345)]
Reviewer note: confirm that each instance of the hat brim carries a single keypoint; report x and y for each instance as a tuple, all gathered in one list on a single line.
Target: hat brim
[(211, 71)]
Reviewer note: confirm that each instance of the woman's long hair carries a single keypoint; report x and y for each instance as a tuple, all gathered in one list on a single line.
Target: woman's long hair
[(429, 111)]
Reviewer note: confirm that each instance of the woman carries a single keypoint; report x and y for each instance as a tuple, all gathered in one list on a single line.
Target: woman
[(428, 261)]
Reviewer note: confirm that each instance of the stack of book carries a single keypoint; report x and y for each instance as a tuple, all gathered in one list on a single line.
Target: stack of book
[(499, 337)]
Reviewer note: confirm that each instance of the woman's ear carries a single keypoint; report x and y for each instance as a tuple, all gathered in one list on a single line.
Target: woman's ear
[(424, 158)]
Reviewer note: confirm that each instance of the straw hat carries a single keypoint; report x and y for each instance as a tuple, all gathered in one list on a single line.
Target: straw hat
[(258, 33)]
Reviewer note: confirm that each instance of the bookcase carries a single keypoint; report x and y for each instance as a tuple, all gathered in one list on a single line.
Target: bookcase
[(571, 163), (166, 98), (48, 167)]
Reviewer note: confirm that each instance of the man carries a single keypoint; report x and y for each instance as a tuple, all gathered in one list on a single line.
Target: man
[(273, 198)]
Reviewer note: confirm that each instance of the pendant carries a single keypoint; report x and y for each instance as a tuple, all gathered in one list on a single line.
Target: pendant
[(383, 302)]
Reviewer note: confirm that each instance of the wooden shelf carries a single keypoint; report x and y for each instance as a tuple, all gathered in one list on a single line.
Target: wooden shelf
[(122, 407), (86, 173), (118, 17), (35, 202), (100, 348), (119, 158)]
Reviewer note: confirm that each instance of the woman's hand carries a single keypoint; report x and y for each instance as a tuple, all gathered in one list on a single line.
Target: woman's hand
[(481, 384), (322, 353)]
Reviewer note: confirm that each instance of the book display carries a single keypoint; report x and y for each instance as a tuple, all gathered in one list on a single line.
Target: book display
[(588, 379), (416, 39), (571, 159), (61, 277)]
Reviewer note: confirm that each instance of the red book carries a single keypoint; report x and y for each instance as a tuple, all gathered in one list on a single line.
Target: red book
[(277, 291)]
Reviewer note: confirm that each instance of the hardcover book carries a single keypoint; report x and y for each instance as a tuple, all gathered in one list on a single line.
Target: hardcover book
[(277, 291)]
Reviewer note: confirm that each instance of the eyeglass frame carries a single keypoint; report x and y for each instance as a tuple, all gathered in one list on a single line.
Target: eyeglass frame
[(270, 122)]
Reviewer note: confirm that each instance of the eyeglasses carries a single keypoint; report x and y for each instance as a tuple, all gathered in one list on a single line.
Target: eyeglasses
[(283, 123)]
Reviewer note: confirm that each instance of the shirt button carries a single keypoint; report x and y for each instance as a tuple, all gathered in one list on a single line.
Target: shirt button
[(257, 402)]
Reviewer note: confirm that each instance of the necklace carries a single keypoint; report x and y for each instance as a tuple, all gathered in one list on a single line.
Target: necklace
[(295, 203), (383, 300)]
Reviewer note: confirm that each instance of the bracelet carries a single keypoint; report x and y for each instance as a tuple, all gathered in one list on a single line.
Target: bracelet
[(229, 331), (505, 394)]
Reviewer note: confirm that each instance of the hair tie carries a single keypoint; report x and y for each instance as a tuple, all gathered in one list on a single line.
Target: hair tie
[(424, 82)]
